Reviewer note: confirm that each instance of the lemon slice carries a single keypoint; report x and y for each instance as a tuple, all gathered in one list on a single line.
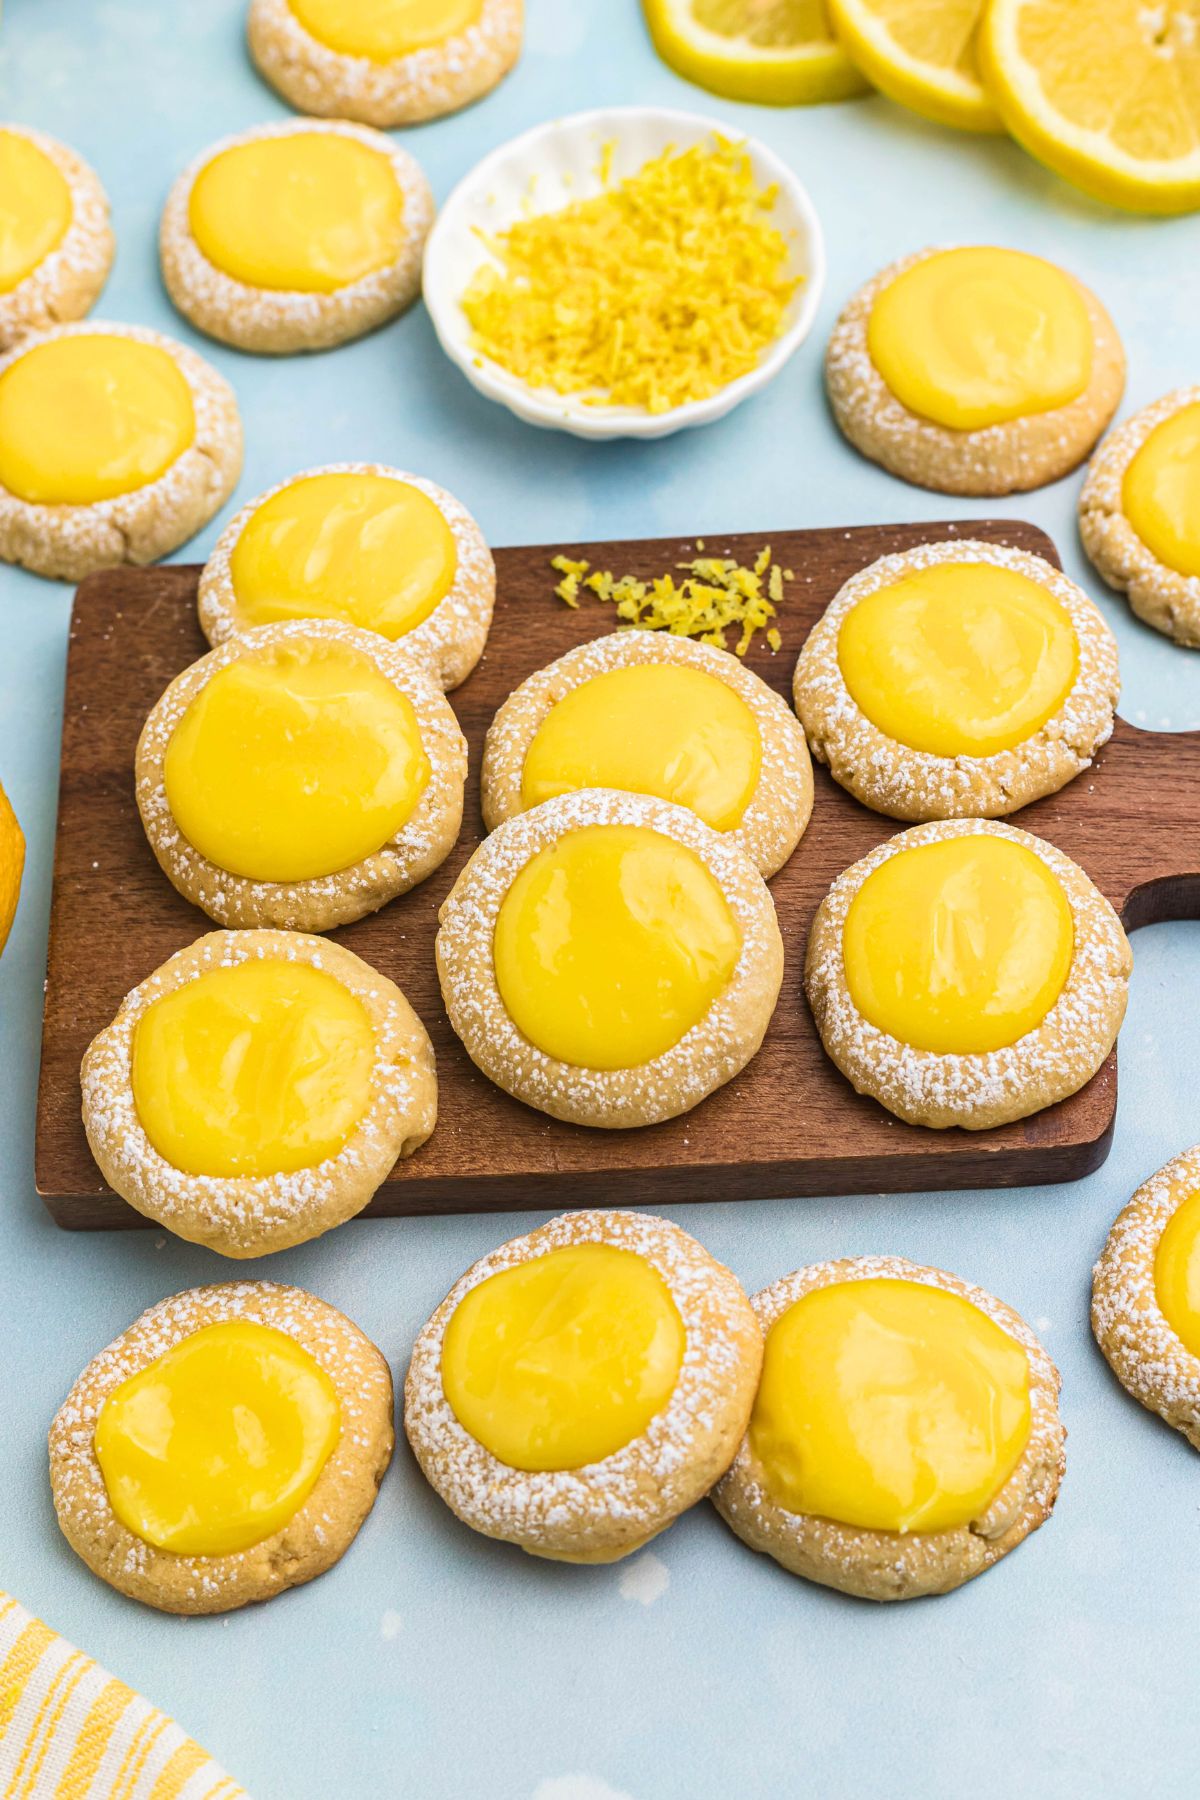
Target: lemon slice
[(921, 54), (1107, 93), (778, 52)]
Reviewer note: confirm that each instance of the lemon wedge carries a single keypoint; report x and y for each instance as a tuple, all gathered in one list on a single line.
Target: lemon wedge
[(920, 54), (1107, 93), (777, 52), (12, 861)]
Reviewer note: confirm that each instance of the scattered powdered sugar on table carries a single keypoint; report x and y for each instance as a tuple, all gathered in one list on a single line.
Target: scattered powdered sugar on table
[(645, 1578)]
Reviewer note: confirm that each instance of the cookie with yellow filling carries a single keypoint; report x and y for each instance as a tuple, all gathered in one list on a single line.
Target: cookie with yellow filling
[(56, 244), (957, 680), (227, 1446), (974, 370), (609, 959), (363, 543), (255, 1090), (385, 62), (116, 445), (654, 714), (905, 1435), (1139, 514), (300, 775), (966, 973), (296, 236), (581, 1387), (1146, 1295)]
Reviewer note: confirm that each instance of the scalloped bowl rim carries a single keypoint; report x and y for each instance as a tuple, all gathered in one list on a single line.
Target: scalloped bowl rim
[(445, 259)]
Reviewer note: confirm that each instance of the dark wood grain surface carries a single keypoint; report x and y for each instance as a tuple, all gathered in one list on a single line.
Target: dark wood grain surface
[(789, 1125)]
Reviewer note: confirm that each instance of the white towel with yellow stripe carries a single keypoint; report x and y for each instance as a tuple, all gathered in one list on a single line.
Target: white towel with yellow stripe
[(70, 1731)]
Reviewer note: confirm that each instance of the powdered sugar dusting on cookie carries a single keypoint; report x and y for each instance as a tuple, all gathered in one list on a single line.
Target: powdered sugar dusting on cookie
[(450, 640), (916, 784), (420, 846), (780, 807), (711, 1053), (250, 1216), (610, 1506), (987, 1088), (67, 282), (317, 1534), (1146, 1353)]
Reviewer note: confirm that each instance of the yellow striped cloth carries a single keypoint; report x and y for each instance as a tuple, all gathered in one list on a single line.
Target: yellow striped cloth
[(70, 1731)]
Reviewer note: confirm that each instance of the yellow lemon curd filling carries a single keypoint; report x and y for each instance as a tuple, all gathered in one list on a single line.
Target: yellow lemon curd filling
[(88, 417), (1177, 1273), (383, 29), (1161, 491), (254, 1070), (961, 659), (659, 291), (656, 728), (560, 1361), (977, 337), (365, 549), (294, 762), (960, 946), (219, 1442), (309, 212), (611, 944), (890, 1406), (35, 208)]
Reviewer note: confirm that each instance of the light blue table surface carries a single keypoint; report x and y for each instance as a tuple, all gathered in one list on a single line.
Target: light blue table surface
[(430, 1662)]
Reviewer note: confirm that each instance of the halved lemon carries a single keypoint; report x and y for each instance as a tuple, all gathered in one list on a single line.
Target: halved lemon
[(777, 52), (921, 53), (12, 861), (1106, 92)]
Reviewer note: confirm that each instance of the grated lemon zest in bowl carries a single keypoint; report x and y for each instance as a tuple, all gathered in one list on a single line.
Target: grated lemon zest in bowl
[(715, 596), (660, 290)]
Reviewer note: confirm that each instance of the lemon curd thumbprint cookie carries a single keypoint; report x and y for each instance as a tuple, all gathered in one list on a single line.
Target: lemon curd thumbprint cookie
[(609, 959), (581, 1387), (905, 1435), (386, 62), (1146, 1295), (957, 680), (56, 244), (654, 714), (301, 775), (296, 236), (116, 446), (974, 370), (256, 1089), (365, 544), (965, 973), (227, 1446), (1139, 514)]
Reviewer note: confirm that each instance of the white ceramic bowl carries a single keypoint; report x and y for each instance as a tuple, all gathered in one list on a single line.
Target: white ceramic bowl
[(549, 167)]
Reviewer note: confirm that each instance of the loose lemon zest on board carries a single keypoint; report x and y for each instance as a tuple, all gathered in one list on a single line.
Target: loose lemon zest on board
[(659, 291), (715, 596)]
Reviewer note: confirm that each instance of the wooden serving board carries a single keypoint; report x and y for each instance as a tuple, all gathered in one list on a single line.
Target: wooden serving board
[(789, 1125)]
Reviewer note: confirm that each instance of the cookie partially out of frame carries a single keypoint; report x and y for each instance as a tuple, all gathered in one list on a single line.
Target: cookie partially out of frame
[(67, 282), (450, 639), (602, 1510), (1165, 598), (911, 784), (254, 1215), (320, 902), (422, 84), (312, 1540), (891, 1565), (1144, 1350), (779, 807), (706, 1056), (280, 321), (975, 1089), (69, 541), (1012, 456)]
